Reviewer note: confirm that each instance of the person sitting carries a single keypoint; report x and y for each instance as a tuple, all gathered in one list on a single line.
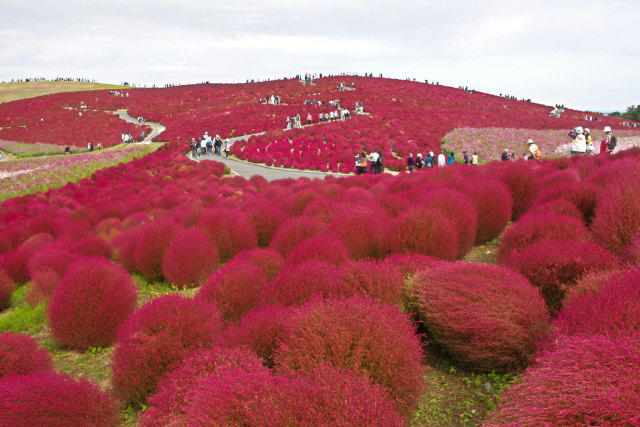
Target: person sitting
[(505, 155)]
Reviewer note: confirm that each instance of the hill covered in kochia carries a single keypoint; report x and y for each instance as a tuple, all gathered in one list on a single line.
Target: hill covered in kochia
[(403, 117)]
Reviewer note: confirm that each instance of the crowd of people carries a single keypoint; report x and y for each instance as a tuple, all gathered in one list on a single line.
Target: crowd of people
[(56, 79), (208, 146), (443, 159), (375, 162)]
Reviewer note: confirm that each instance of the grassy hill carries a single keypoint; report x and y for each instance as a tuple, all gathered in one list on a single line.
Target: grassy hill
[(22, 90)]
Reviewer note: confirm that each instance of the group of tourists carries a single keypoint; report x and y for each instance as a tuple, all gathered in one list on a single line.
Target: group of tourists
[(375, 162), (208, 145), (90, 147), (273, 100), (127, 138), (582, 144), (443, 159)]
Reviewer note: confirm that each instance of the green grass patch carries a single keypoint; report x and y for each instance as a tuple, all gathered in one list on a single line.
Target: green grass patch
[(23, 90), (24, 319)]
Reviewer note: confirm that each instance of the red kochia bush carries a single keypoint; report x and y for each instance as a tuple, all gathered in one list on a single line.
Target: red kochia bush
[(92, 246), (582, 194), (374, 339), (617, 215), (363, 229), (585, 380), (267, 260), (156, 338), (265, 219), (234, 289), (20, 355), (485, 316), (6, 289), (190, 258), (320, 248), (326, 396), (459, 209), (50, 399), (90, 302), (296, 285), (557, 207), (381, 281), (168, 404), (424, 231), (230, 230), (553, 266), (152, 243), (533, 228), (46, 268), (294, 231), (260, 329), (410, 263), (492, 202), (612, 309), (524, 187)]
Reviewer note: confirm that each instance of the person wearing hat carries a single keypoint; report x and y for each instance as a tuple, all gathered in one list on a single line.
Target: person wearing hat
[(226, 147), (579, 144), (505, 155), (587, 136), (608, 144), (534, 151), (419, 161)]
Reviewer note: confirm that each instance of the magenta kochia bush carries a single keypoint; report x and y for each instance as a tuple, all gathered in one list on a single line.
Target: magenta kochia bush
[(265, 219), (294, 231), (617, 215), (46, 268), (584, 380), (235, 289), (190, 258), (6, 289), (298, 284), (267, 260), (363, 229), (320, 248), (156, 338), (582, 194), (260, 330), (361, 334), (152, 243), (524, 186), (486, 317), (532, 228), (90, 303), (230, 230), (492, 202), (168, 404), (554, 266), (326, 396), (612, 309), (50, 399), (459, 209), (424, 231), (380, 280), (20, 355)]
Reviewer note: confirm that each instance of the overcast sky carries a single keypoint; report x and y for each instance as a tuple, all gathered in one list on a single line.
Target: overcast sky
[(584, 54)]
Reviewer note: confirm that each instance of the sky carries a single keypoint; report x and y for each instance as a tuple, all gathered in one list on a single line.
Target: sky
[(582, 54)]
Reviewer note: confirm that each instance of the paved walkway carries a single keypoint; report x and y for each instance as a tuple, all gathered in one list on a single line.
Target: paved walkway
[(157, 128)]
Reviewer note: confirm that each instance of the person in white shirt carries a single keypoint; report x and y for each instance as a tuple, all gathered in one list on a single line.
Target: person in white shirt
[(373, 158), (442, 161)]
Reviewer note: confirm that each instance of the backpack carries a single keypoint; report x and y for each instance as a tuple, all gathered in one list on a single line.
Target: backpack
[(379, 162), (538, 153), (613, 143)]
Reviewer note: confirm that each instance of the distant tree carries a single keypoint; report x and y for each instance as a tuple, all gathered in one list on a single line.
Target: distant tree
[(632, 113)]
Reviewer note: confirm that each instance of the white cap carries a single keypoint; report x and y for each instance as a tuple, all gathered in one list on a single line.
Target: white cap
[(586, 130), (419, 155), (530, 141), (431, 153), (607, 129), (579, 130)]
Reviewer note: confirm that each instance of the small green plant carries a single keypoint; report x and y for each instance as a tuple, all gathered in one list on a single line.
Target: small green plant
[(23, 318)]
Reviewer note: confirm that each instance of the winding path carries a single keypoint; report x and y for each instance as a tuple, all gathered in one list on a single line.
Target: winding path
[(157, 128)]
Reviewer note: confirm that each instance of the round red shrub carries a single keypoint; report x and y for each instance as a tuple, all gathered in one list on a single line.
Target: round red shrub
[(486, 317), (583, 195), (230, 230), (50, 399), (265, 219), (617, 215), (294, 231), (20, 355), (584, 380), (92, 246), (125, 244), (610, 308), (360, 334), (381, 281), (424, 231), (267, 260), (156, 338), (534, 228), (323, 209), (560, 207), (461, 212), (410, 263), (364, 229), (492, 201), (152, 243), (90, 302), (15, 264), (46, 268), (108, 228), (260, 330), (190, 258), (553, 266), (235, 289), (320, 248), (297, 284), (6, 289), (524, 187), (168, 405)]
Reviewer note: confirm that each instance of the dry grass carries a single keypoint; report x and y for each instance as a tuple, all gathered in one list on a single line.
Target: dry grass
[(22, 90)]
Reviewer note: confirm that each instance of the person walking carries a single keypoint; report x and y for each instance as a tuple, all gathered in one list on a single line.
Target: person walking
[(451, 159), (226, 148), (474, 158), (608, 144), (411, 164), (373, 158), (442, 161), (379, 163)]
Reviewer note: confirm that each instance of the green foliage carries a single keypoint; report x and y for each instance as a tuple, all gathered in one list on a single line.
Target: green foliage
[(632, 113), (24, 319)]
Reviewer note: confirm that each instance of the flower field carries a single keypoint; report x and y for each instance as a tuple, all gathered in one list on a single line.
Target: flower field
[(161, 291)]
